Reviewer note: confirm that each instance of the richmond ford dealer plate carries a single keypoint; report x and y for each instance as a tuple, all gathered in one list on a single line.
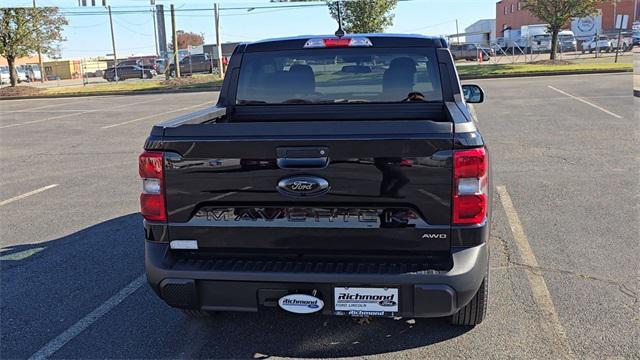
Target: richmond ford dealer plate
[(366, 301)]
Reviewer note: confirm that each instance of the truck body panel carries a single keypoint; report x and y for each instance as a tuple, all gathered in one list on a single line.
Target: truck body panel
[(322, 168)]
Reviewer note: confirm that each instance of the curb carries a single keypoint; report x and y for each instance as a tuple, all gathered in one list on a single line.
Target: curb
[(112, 93), (548, 73)]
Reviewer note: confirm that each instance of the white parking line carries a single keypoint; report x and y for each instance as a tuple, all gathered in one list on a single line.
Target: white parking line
[(154, 115), (21, 255), (539, 290), (48, 111), (78, 113), (36, 191), (77, 328), (586, 102), (36, 108)]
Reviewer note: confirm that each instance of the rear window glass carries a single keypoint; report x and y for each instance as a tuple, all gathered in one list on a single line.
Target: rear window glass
[(339, 75)]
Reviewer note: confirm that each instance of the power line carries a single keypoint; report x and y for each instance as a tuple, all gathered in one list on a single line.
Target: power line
[(117, 21), (208, 9)]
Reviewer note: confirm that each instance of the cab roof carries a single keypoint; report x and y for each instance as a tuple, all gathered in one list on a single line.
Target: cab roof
[(377, 39)]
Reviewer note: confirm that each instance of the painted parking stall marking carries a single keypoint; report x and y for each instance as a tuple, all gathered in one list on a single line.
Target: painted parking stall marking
[(74, 114), (586, 102), (21, 255), (154, 115), (22, 196), (56, 344), (538, 285)]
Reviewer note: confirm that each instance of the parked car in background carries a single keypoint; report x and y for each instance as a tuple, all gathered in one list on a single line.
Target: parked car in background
[(567, 41), (539, 44), (130, 63), (198, 63), (534, 38), (487, 50), (149, 65), (161, 65), (128, 72), (599, 44), (607, 44), (470, 52), (4, 75), (22, 74), (32, 71), (626, 43)]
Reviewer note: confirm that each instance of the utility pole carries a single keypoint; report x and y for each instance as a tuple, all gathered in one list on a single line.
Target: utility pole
[(216, 13), (174, 36), (155, 29), (40, 64), (457, 33), (113, 44)]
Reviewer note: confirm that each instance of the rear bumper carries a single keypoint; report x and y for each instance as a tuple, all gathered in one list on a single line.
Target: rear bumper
[(245, 286)]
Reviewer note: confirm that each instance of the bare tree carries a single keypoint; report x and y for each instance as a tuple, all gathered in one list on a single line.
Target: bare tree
[(558, 13), (25, 30)]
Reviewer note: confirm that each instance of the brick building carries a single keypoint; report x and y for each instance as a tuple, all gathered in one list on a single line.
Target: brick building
[(510, 14)]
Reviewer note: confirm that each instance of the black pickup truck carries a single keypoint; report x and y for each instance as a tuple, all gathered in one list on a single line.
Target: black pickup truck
[(335, 175)]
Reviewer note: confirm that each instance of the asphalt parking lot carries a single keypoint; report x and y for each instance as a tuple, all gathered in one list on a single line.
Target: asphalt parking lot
[(564, 245)]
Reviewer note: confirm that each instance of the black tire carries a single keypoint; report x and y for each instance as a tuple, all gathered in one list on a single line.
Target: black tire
[(473, 313), (196, 313)]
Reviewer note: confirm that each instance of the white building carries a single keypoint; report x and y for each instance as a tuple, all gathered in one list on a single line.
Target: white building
[(481, 32)]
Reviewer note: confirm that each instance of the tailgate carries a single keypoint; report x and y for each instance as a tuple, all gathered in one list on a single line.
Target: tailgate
[(300, 187)]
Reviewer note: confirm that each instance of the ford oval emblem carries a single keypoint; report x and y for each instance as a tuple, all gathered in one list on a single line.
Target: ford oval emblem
[(303, 186)]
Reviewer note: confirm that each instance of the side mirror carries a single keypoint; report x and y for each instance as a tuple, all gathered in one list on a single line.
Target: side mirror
[(473, 94)]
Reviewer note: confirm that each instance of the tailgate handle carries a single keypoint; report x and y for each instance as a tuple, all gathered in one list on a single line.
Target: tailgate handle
[(302, 157)]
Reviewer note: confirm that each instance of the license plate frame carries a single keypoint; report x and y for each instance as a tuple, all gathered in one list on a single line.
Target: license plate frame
[(365, 301)]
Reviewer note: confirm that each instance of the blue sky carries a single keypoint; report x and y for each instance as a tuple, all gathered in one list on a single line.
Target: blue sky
[(89, 35)]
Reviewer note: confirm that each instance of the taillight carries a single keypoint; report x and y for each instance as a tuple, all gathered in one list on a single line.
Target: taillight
[(470, 186), (151, 168)]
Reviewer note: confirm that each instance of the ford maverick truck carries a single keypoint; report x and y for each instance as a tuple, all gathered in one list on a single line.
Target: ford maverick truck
[(335, 175)]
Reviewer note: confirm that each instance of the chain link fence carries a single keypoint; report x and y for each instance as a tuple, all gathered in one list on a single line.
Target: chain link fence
[(533, 50)]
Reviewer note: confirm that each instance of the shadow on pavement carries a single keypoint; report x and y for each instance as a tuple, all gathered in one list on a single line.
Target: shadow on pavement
[(275, 333), (67, 278), (47, 292)]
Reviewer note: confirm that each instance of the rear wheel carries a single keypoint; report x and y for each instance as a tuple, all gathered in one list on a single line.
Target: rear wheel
[(197, 313), (473, 313)]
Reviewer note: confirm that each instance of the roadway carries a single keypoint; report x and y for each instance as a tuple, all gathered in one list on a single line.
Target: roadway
[(564, 244)]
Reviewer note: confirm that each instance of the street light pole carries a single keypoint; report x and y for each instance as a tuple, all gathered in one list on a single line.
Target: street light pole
[(174, 38), (113, 44), (40, 64), (155, 29), (216, 11)]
